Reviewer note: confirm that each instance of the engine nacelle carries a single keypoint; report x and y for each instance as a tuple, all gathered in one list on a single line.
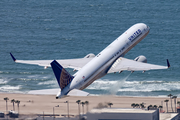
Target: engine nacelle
[(141, 58), (90, 55)]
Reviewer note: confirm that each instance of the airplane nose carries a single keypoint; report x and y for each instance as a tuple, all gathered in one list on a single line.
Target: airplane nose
[(148, 27)]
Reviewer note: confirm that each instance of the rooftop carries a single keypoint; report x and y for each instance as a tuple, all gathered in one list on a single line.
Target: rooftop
[(121, 110)]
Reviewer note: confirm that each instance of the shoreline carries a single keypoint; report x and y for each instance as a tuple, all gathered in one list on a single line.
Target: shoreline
[(27, 93)]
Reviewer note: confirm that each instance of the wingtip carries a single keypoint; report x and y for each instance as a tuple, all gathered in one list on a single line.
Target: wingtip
[(14, 59), (168, 64)]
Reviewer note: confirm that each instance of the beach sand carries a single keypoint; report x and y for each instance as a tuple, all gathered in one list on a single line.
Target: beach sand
[(37, 104)]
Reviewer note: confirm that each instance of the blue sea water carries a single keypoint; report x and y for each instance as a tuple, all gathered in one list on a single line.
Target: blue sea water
[(64, 29)]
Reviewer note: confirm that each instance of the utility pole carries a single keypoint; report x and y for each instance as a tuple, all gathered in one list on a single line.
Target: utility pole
[(53, 114), (67, 107)]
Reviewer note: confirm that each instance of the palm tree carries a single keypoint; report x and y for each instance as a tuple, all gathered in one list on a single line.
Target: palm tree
[(160, 107), (110, 104), (150, 106), (178, 102), (78, 102), (18, 102), (166, 104), (142, 105), (137, 105), (170, 95), (6, 99), (13, 101), (83, 106), (155, 106), (87, 103), (175, 97), (133, 105)]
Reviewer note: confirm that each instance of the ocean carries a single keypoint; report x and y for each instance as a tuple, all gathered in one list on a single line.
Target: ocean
[(65, 29)]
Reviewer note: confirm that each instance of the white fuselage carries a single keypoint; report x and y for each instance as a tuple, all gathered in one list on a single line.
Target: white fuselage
[(101, 63)]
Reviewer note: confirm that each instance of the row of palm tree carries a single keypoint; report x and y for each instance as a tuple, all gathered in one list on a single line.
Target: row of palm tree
[(141, 105), (136, 105), (171, 97), (155, 107), (12, 101), (82, 103)]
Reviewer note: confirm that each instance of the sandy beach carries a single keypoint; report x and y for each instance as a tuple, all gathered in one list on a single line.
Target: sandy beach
[(37, 104)]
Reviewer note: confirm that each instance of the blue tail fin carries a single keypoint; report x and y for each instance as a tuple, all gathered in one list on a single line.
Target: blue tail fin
[(62, 76)]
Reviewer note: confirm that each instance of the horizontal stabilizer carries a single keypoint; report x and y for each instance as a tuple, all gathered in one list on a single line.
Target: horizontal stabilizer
[(76, 92), (44, 92)]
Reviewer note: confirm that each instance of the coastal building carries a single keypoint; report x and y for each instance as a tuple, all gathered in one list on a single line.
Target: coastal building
[(129, 114), (122, 114), (178, 109), (1, 115)]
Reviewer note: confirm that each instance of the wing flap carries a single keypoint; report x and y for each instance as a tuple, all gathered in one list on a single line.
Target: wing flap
[(130, 65)]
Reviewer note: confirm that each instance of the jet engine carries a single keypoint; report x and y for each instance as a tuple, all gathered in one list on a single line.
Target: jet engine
[(141, 58), (90, 55)]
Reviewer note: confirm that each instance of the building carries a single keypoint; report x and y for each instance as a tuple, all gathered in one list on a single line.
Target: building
[(122, 114), (129, 114), (1, 115)]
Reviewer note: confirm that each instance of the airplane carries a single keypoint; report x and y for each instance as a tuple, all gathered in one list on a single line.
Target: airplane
[(91, 67)]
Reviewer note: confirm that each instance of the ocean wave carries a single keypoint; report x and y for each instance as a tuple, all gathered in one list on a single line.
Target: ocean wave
[(2, 81), (8, 88), (104, 82), (53, 82), (39, 76), (35, 78), (134, 86), (14, 72)]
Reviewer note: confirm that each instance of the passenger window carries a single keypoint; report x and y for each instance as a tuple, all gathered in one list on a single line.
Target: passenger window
[(98, 55)]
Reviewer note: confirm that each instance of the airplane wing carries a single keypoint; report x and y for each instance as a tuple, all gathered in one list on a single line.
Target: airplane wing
[(122, 64), (76, 64)]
